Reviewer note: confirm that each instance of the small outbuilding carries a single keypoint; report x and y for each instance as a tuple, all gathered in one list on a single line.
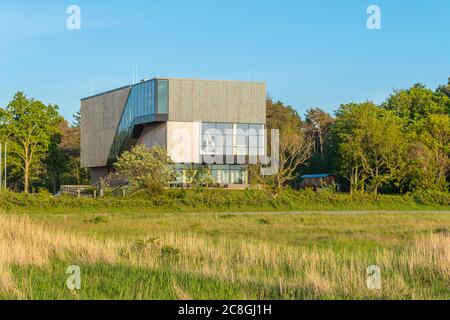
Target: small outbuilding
[(318, 180)]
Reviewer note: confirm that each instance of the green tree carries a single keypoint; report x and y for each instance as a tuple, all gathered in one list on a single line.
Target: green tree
[(55, 163), (29, 126), (70, 146), (423, 170), (144, 169), (371, 146), (425, 115), (416, 103), (318, 124), (434, 133), (62, 163), (76, 119), (445, 89)]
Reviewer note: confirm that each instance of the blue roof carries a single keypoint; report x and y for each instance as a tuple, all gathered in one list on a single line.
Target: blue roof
[(322, 175)]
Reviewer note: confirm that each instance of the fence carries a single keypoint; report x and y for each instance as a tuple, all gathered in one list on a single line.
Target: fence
[(79, 191)]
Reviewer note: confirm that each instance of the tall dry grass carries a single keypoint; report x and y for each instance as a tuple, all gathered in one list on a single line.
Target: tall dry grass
[(23, 243), (291, 271)]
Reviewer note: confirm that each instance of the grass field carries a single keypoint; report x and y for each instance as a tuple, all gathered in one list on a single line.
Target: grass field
[(136, 254)]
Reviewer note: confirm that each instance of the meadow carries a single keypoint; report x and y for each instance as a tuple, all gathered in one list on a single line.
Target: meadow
[(143, 254)]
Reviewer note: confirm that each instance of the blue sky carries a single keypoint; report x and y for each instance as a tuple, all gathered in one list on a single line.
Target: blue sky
[(310, 53)]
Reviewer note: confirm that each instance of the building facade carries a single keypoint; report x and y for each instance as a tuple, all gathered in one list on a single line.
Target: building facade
[(214, 125)]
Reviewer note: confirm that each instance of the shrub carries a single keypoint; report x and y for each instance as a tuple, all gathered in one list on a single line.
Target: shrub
[(169, 252), (98, 219), (431, 197), (229, 200), (144, 169)]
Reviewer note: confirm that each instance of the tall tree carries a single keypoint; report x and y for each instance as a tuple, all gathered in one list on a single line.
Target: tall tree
[(29, 126), (295, 146), (371, 145), (70, 146), (425, 115), (435, 134), (56, 163), (318, 125)]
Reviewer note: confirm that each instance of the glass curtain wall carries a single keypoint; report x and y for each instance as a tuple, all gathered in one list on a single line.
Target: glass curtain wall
[(141, 103), (241, 139), (220, 174), (163, 95)]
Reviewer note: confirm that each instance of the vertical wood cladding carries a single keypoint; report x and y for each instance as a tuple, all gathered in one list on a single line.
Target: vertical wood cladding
[(100, 116), (217, 101)]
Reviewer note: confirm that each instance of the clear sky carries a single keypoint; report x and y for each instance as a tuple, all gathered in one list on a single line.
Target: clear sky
[(310, 53)]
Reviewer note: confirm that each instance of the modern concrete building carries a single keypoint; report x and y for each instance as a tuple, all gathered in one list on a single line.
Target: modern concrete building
[(213, 124)]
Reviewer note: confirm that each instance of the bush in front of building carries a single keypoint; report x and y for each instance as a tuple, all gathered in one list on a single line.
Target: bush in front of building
[(145, 169)]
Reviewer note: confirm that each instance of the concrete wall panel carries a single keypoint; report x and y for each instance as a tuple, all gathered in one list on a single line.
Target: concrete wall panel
[(183, 141), (152, 134)]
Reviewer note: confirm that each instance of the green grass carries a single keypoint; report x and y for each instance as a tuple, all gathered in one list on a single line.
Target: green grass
[(307, 228), (219, 200), (103, 281), (243, 256)]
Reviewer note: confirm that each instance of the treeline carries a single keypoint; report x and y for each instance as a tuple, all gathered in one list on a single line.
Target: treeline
[(399, 146), (43, 148)]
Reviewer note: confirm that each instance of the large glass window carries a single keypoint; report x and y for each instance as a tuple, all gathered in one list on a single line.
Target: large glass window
[(152, 96), (256, 140), (163, 92), (219, 174), (216, 138), (232, 139), (141, 102), (236, 176)]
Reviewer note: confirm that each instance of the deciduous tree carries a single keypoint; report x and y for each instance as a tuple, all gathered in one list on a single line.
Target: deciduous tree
[(371, 145), (29, 126), (144, 169), (318, 124), (295, 145)]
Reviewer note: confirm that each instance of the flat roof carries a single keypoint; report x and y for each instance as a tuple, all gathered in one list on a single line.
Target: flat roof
[(165, 78)]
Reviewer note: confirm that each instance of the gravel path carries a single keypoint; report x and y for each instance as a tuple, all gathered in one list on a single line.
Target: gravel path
[(338, 212)]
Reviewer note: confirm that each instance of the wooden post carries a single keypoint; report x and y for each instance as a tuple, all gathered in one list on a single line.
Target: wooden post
[(95, 194), (78, 193)]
